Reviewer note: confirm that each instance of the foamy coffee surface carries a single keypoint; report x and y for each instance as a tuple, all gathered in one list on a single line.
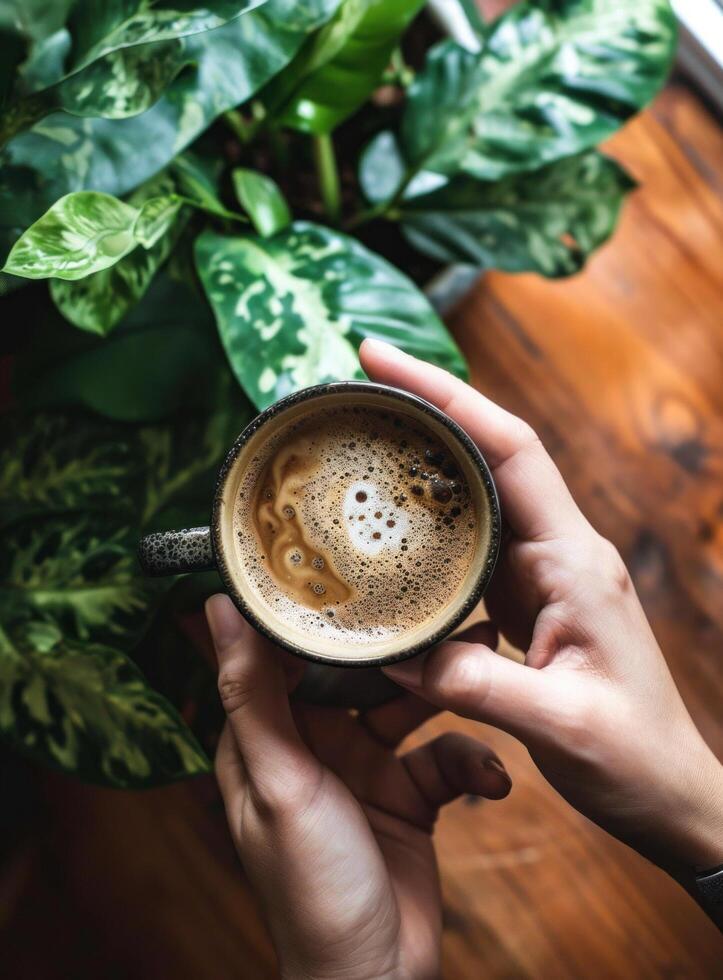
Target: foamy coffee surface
[(355, 524)]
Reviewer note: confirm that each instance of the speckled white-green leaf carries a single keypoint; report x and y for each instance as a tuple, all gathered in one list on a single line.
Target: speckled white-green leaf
[(124, 54), (293, 309), (98, 302), (553, 78), (85, 708), (80, 234)]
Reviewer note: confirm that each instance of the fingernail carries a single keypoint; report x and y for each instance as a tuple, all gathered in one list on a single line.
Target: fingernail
[(408, 673), (494, 766), (382, 347), (224, 621)]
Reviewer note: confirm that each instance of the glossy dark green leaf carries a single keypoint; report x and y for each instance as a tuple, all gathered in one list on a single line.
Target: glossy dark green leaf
[(339, 69), (146, 369), (124, 54), (547, 222), (292, 310), (65, 153), (261, 198), (85, 708), (554, 77)]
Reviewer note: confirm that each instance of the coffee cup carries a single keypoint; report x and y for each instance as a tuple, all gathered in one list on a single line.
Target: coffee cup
[(352, 523)]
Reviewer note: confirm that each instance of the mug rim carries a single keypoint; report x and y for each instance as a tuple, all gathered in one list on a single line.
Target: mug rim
[(481, 581)]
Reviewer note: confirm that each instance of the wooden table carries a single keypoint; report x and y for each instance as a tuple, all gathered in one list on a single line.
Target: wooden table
[(621, 372)]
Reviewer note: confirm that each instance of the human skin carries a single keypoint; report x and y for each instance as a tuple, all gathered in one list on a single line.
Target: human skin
[(334, 827)]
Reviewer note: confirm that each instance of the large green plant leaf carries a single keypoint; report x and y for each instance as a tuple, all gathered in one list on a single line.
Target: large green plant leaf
[(547, 222), (146, 369), (81, 574), (553, 78), (124, 53), (292, 310), (550, 223), (65, 153), (100, 301), (85, 708), (339, 69)]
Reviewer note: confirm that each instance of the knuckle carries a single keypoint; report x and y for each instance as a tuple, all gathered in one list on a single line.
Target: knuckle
[(286, 792), (457, 678), (234, 690), (612, 567)]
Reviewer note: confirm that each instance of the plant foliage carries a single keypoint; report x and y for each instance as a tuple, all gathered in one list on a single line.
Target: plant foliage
[(183, 176)]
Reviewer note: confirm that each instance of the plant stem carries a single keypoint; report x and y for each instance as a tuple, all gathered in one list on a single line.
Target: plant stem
[(328, 176), (386, 209), (237, 124)]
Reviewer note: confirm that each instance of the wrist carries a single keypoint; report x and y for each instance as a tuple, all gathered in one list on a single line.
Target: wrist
[(693, 840)]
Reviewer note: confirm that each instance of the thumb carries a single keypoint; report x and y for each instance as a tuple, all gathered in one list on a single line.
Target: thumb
[(253, 689), (471, 680)]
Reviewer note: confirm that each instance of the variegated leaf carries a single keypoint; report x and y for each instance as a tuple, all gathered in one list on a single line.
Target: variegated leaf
[(292, 310), (548, 222), (65, 153), (87, 709), (553, 78), (124, 54), (81, 233)]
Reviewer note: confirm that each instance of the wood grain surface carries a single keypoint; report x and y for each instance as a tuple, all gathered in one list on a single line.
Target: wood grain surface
[(621, 371)]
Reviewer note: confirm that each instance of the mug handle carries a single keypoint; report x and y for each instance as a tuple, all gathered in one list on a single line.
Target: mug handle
[(176, 552)]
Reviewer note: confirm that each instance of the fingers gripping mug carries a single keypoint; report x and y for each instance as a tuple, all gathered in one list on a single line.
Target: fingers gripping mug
[(352, 523)]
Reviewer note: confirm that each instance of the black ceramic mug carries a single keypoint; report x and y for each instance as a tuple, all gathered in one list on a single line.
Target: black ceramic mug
[(206, 548)]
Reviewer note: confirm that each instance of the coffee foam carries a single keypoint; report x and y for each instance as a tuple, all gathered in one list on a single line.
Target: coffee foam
[(355, 525)]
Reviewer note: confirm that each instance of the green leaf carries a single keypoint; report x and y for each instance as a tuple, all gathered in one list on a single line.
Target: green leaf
[(101, 300), (86, 709), (146, 369), (262, 200), (554, 77), (547, 222), (80, 234), (66, 153), (124, 54), (81, 574), (292, 310), (53, 465), (339, 69), (76, 494), (197, 178)]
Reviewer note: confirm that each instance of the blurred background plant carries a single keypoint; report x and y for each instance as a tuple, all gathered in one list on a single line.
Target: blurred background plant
[(272, 166)]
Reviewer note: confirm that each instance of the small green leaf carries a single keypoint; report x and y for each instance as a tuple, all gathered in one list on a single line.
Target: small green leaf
[(197, 177), (80, 234), (157, 216), (339, 69), (553, 78), (86, 709), (262, 200), (292, 310), (99, 301), (548, 222)]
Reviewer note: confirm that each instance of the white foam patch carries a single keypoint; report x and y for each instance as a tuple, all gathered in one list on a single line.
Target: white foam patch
[(370, 516)]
